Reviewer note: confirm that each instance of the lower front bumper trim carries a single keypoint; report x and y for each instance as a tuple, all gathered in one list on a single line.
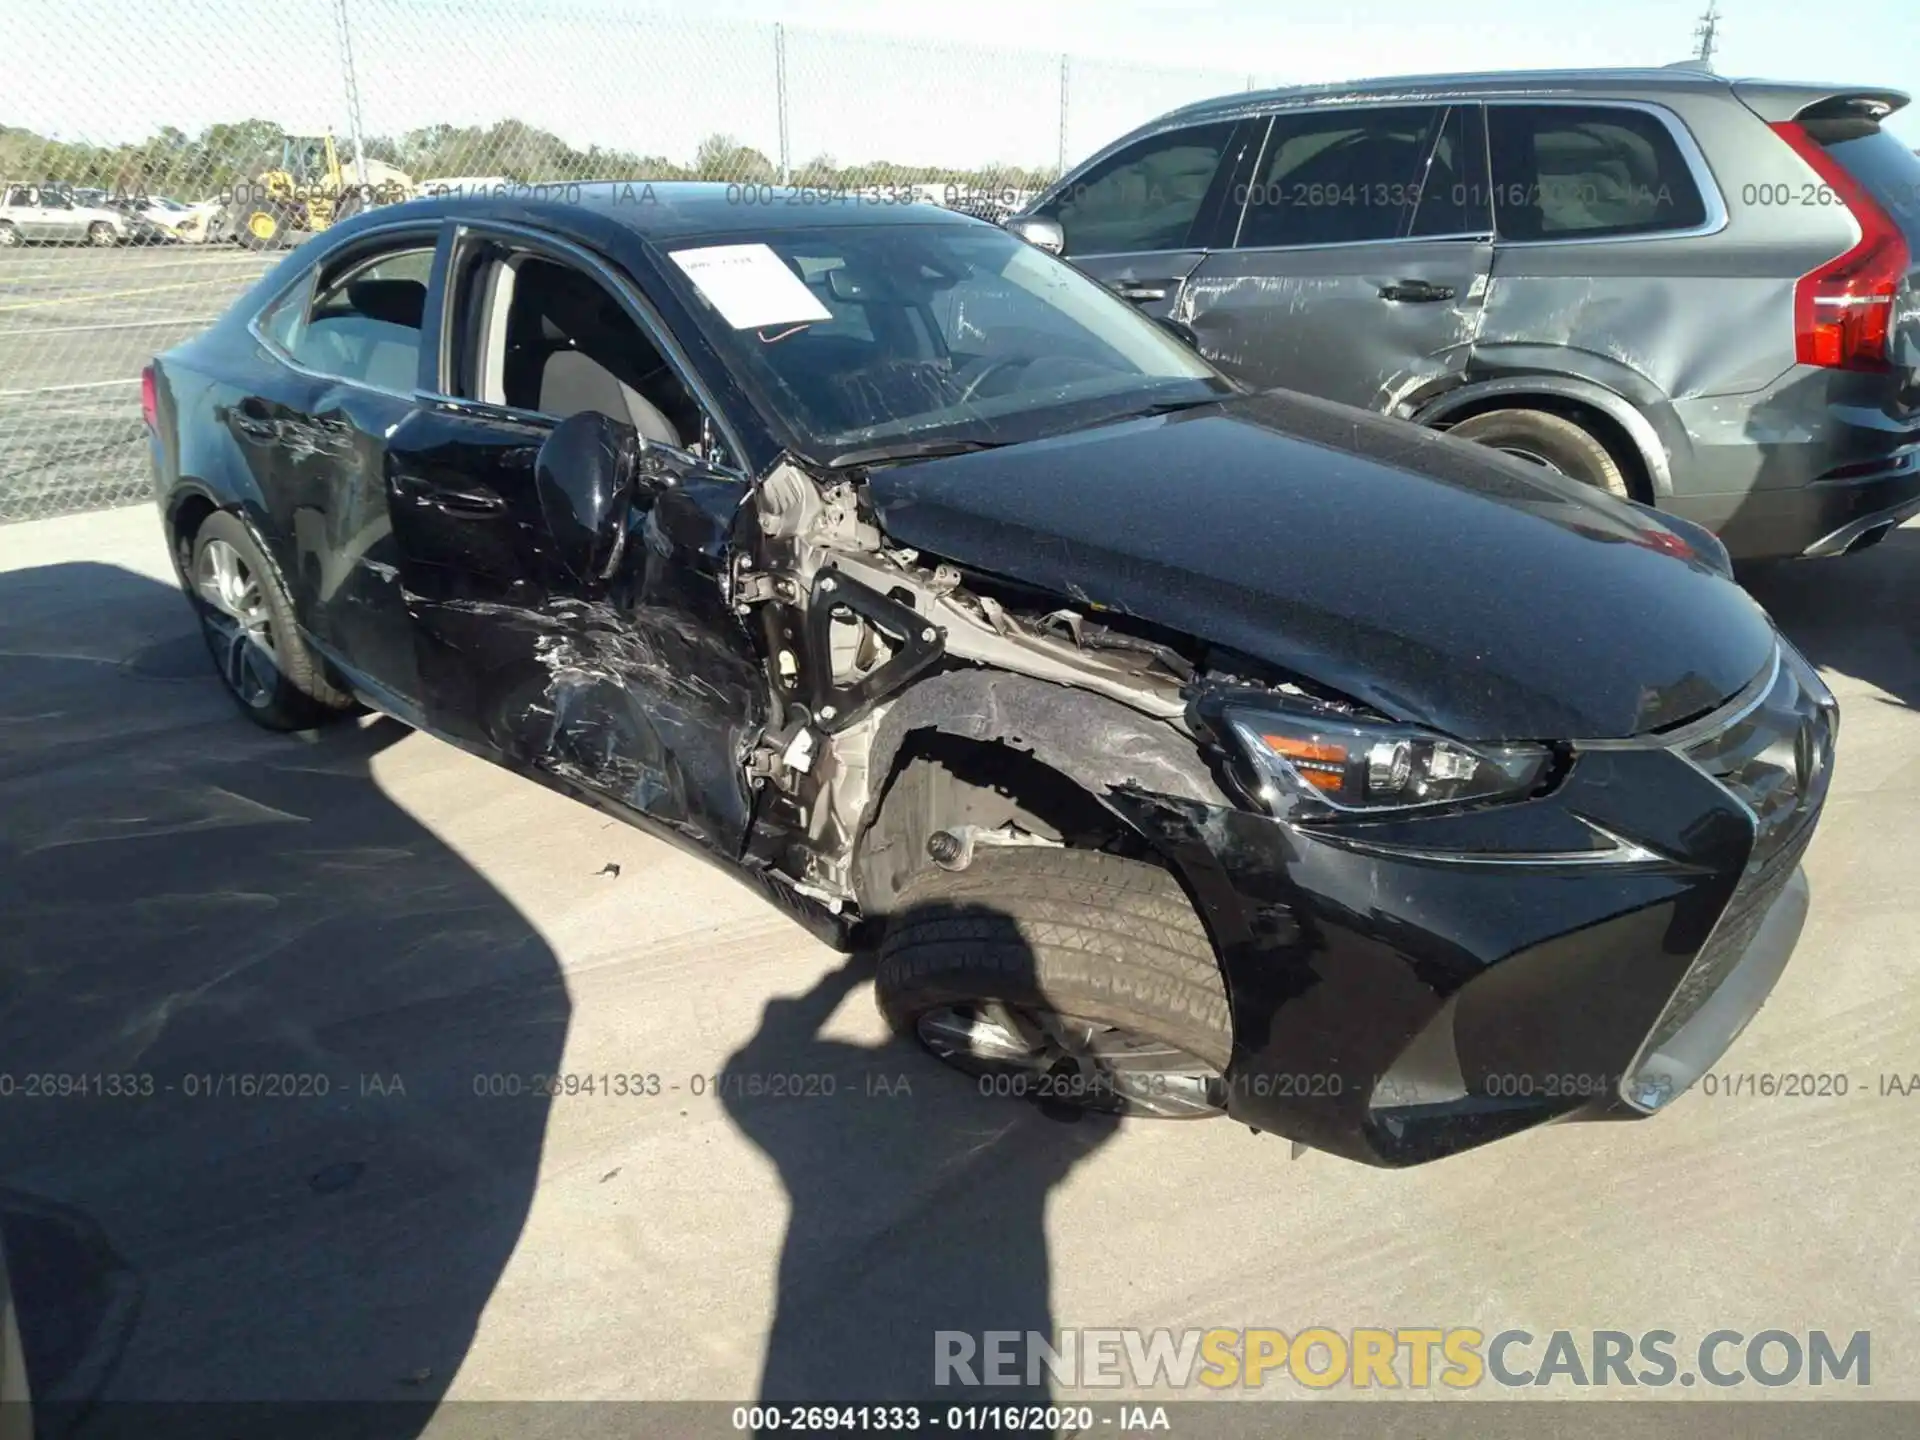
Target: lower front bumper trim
[(1672, 1069)]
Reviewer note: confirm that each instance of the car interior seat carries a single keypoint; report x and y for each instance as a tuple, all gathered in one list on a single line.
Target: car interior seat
[(570, 347)]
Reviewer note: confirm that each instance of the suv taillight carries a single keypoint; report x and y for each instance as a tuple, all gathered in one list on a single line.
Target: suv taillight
[(149, 400), (1843, 311)]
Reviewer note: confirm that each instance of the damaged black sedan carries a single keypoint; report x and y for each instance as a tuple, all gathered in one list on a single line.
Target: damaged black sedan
[(1183, 751)]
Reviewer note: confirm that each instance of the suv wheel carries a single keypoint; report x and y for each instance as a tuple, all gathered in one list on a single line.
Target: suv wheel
[(8, 235), (250, 631), (101, 233), (1062, 975), (1549, 440)]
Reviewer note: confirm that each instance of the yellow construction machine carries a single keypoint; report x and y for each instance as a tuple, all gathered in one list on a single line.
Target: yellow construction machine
[(308, 191)]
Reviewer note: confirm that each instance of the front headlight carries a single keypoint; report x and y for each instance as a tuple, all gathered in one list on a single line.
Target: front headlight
[(1306, 764)]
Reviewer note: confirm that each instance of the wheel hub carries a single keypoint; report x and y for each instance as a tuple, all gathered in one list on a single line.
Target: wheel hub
[(1082, 1062), (1532, 457), (238, 623)]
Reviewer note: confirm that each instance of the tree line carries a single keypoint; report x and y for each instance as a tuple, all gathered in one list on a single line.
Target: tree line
[(210, 164)]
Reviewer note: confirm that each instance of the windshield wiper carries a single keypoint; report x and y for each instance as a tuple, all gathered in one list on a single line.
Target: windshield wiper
[(911, 450), (1158, 407)]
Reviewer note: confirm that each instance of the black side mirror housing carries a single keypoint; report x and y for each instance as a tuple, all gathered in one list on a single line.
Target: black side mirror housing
[(585, 475)]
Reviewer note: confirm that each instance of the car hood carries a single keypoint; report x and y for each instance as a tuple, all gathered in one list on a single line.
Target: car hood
[(1431, 579)]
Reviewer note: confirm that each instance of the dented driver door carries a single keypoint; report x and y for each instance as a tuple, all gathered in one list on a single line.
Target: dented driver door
[(640, 691)]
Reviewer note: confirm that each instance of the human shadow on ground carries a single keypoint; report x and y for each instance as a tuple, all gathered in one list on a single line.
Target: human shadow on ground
[(918, 1210), (268, 1130)]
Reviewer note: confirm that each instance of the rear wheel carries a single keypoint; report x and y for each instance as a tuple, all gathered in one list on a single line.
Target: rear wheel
[(1072, 976), (1547, 440), (250, 631), (101, 233), (8, 235)]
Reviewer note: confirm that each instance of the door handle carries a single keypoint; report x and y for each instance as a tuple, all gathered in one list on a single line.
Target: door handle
[(1140, 294), (468, 504), (1415, 291)]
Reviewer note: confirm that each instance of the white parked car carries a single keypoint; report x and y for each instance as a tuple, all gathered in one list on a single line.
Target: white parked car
[(181, 221), (52, 212)]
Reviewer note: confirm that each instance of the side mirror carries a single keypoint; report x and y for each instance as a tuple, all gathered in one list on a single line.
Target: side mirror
[(1040, 232), (584, 475), (1180, 331)]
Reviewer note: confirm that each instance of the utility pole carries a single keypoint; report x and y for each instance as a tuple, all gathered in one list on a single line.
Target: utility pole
[(1707, 32), (1063, 116), (780, 97), (353, 95)]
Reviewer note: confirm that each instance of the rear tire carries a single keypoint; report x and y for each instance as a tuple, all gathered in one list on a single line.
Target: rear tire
[(248, 624), (1549, 440), (8, 235), (1097, 964), (101, 233)]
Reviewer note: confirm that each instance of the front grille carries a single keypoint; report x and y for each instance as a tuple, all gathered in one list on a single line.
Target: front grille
[(1774, 754)]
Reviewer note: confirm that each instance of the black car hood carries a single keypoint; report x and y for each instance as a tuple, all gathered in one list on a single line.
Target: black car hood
[(1426, 577)]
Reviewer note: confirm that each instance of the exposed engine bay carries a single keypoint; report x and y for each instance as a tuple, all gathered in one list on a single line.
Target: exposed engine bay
[(850, 623)]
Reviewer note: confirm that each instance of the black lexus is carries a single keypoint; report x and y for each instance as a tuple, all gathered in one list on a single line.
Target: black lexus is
[(1180, 750)]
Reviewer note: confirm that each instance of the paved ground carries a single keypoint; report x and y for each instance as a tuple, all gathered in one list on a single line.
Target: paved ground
[(375, 913), (76, 325)]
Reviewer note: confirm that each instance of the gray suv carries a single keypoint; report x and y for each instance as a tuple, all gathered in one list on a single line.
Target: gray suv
[(1696, 292)]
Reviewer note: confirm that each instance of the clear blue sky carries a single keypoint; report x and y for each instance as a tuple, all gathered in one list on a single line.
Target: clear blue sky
[(954, 84)]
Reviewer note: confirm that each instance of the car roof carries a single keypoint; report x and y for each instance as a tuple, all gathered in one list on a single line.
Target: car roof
[(1672, 79), (666, 210)]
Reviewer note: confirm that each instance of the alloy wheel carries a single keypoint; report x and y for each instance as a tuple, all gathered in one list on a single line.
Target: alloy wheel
[(239, 625), (1532, 457), (1082, 1062)]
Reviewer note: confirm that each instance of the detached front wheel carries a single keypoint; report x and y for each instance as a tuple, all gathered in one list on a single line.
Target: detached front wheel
[(1067, 976)]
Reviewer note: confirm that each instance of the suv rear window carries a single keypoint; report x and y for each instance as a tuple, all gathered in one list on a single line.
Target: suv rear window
[(1886, 168), (1584, 171)]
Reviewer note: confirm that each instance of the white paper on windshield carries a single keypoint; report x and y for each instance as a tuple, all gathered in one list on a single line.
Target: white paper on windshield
[(750, 286)]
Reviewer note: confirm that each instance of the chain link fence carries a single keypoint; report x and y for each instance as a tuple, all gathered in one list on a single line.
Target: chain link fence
[(155, 161)]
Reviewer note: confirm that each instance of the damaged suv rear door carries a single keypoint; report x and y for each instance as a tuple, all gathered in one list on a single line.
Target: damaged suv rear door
[(1356, 261)]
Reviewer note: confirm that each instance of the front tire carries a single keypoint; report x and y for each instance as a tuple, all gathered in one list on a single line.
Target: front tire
[(1549, 440), (101, 233), (250, 631), (9, 236), (1072, 976)]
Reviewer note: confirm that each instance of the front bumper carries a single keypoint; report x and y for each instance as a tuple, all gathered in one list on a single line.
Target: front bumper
[(1405, 990)]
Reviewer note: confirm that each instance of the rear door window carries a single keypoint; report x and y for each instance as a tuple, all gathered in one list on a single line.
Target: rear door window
[(1144, 198), (1570, 172), (1339, 177), (364, 325)]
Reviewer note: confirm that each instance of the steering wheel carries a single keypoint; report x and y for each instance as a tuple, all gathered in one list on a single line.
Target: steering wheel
[(984, 369)]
